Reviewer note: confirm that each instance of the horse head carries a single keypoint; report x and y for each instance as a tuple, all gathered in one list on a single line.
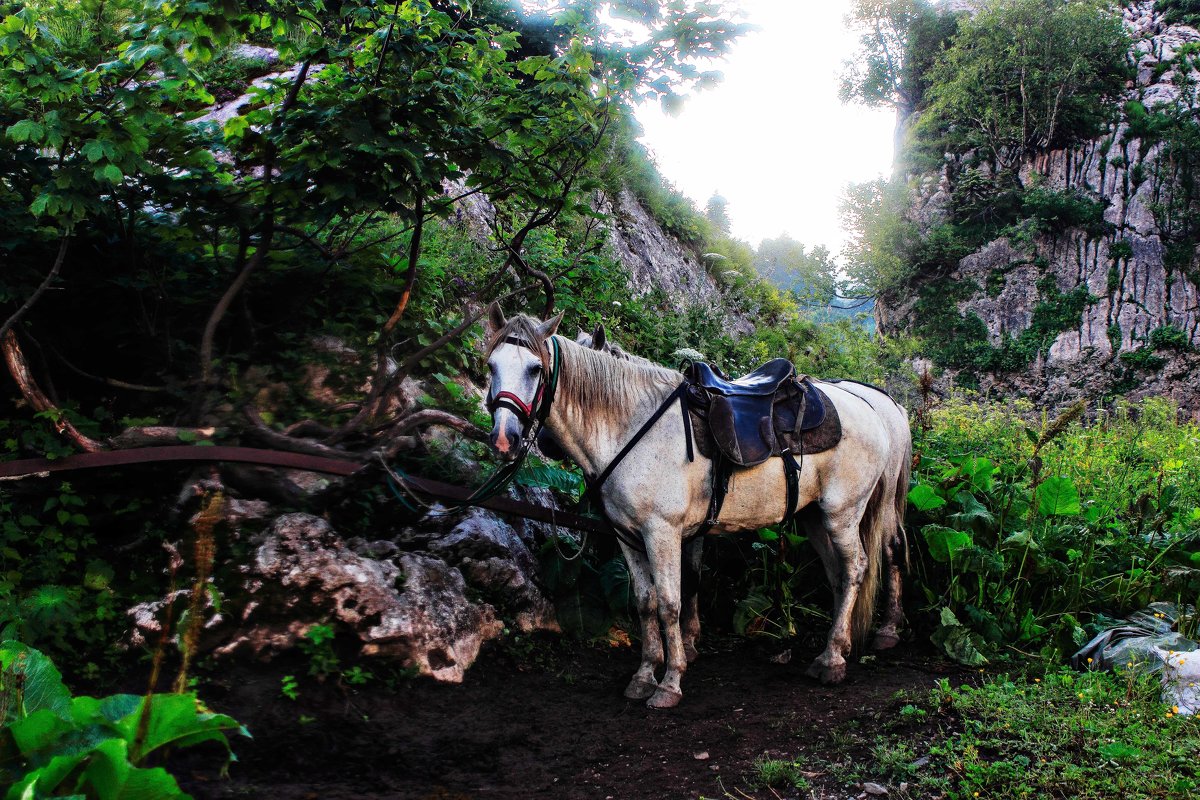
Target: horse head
[(519, 366)]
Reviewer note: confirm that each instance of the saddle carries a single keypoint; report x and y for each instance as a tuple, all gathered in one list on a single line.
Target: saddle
[(767, 413)]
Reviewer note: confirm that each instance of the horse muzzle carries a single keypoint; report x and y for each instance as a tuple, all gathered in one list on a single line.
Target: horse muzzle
[(506, 435)]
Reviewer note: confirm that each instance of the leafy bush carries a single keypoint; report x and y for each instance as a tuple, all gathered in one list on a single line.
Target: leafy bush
[(1025, 76), (1185, 11), (1029, 531), (1170, 337), (1056, 211), (53, 744)]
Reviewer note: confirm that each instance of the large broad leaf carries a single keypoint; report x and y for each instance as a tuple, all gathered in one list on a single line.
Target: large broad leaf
[(974, 514), (618, 587), (179, 720), (40, 683), (925, 498), (1057, 497), (944, 542), (979, 560), (960, 644), (112, 777), (39, 731), (979, 471), (43, 781), (749, 613)]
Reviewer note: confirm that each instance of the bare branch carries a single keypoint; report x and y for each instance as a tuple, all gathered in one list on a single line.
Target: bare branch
[(261, 431), (18, 367), (41, 289)]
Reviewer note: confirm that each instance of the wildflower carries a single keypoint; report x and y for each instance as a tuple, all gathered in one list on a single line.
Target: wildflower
[(1175, 709), (1037, 680), (1089, 661), (1081, 695)]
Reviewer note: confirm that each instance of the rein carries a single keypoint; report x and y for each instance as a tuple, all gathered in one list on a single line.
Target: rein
[(533, 414)]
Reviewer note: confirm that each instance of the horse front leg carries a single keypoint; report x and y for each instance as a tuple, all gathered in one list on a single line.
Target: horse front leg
[(851, 560), (664, 548), (693, 552), (643, 684)]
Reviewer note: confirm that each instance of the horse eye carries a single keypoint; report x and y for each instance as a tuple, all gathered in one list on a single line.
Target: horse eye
[(535, 369)]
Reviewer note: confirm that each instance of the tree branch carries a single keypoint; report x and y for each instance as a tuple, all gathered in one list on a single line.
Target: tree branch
[(18, 367), (41, 289)]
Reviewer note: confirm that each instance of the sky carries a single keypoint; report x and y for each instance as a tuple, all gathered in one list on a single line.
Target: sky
[(773, 139)]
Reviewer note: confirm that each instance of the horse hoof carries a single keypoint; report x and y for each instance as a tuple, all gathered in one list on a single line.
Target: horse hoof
[(664, 698), (690, 652), (639, 689), (834, 674), (885, 641)]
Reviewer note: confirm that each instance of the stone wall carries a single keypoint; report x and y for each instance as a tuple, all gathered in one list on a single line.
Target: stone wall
[(1132, 295)]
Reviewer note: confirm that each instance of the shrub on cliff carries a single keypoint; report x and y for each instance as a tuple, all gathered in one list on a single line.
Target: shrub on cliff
[(1025, 76)]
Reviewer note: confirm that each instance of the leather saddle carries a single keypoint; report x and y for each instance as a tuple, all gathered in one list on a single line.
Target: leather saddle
[(766, 413)]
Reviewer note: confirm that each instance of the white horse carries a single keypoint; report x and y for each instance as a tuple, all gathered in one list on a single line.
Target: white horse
[(851, 498)]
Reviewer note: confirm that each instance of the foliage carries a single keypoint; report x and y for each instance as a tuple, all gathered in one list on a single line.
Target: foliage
[(1024, 76), (1029, 531), (810, 275), (1174, 11), (898, 44), (1058, 734), (53, 744), (881, 239)]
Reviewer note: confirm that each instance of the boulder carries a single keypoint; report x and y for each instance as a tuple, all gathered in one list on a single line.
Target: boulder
[(413, 610)]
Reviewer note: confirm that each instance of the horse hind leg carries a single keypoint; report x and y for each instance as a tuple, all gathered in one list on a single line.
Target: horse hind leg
[(851, 560), (888, 635), (643, 683), (895, 551), (693, 552)]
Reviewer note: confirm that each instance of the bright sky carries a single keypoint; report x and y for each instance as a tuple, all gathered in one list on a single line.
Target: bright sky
[(773, 139)]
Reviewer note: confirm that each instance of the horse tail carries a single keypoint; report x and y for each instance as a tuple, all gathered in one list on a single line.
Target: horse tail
[(902, 481), (872, 531)]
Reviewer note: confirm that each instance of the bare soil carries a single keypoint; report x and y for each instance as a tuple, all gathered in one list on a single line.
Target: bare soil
[(547, 721)]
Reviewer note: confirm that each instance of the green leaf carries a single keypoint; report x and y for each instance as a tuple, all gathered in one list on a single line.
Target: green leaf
[(944, 542), (1058, 497), (113, 777), (177, 719), (38, 731), (235, 127), (26, 130), (974, 514), (93, 151), (43, 686), (111, 173), (960, 644), (925, 497)]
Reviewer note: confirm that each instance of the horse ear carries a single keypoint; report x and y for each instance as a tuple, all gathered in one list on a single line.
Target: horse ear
[(496, 319), (548, 327), (598, 337)]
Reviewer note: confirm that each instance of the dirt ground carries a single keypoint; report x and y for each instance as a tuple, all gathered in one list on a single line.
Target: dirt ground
[(547, 721)]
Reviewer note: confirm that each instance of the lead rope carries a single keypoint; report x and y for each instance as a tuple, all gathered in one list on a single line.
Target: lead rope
[(504, 475)]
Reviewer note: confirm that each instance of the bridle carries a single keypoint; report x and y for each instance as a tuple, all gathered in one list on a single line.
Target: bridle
[(532, 414)]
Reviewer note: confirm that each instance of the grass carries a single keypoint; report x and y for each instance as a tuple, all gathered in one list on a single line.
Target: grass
[(776, 773), (1061, 735)]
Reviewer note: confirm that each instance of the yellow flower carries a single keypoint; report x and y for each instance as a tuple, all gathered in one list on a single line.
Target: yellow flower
[(1089, 661), (1175, 709)]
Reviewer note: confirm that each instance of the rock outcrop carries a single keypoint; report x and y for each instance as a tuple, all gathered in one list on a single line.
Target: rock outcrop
[(1135, 284)]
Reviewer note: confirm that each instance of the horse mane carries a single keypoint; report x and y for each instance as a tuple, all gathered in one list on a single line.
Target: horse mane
[(595, 383)]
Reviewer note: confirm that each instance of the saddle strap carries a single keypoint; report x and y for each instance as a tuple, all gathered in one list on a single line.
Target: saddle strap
[(679, 394), (791, 474)]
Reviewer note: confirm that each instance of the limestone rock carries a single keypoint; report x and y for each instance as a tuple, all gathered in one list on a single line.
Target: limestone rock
[(1132, 286), (414, 611), (496, 558)]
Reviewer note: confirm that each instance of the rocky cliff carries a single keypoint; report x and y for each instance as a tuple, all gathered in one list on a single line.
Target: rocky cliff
[(1125, 288)]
